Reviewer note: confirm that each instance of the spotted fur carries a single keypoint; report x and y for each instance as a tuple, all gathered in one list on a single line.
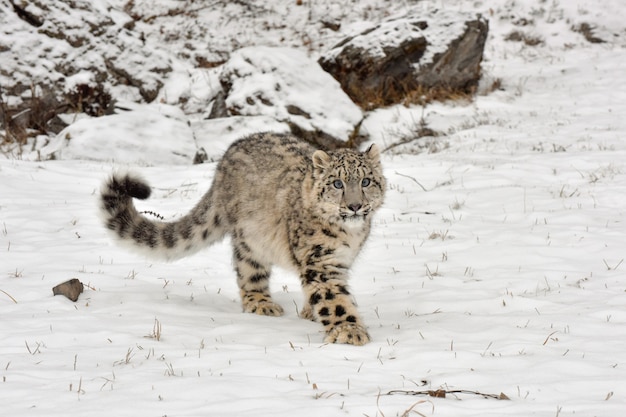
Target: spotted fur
[(283, 203)]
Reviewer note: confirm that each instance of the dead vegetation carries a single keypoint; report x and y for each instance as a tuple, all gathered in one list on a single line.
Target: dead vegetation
[(33, 117), (444, 393), (395, 92), (587, 31), (39, 113)]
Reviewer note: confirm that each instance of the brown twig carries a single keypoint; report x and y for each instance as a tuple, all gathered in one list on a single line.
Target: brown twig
[(442, 393)]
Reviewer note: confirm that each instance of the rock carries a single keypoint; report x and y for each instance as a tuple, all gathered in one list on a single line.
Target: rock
[(200, 157), (218, 108), (385, 63), (287, 85), (71, 289)]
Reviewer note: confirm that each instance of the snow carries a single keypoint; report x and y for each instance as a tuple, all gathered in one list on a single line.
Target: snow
[(132, 137), (495, 265), (81, 78)]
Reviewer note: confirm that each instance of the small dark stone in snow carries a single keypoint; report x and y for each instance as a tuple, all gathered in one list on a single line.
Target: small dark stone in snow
[(71, 289)]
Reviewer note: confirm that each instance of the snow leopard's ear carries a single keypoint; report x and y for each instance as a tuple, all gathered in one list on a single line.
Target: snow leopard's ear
[(321, 160), (373, 153)]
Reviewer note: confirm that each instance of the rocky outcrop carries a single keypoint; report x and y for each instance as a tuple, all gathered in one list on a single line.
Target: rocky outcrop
[(285, 84), (50, 42), (385, 63)]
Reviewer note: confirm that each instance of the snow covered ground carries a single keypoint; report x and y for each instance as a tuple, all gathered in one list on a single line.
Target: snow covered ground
[(495, 266)]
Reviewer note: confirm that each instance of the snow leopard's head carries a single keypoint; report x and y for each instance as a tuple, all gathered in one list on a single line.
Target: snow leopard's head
[(349, 184)]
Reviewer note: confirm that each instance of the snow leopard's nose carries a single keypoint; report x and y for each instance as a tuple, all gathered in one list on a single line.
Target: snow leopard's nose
[(355, 207)]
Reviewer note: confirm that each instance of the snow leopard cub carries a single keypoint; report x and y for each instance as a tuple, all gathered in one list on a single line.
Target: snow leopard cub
[(283, 203)]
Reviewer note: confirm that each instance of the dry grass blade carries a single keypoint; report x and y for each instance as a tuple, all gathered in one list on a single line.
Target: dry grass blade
[(549, 336), (410, 409), (156, 331), (411, 178), (9, 295)]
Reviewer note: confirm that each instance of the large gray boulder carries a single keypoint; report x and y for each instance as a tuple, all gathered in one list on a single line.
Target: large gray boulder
[(387, 62)]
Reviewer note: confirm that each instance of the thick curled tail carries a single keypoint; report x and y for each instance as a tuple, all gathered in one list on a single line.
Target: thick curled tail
[(158, 239)]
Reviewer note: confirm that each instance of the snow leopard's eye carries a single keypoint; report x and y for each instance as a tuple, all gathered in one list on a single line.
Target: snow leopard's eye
[(338, 184), (365, 182)]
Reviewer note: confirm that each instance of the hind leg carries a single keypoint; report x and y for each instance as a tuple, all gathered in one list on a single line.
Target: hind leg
[(253, 279)]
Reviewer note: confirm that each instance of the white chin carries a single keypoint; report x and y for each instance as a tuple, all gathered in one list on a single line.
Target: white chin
[(355, 221)]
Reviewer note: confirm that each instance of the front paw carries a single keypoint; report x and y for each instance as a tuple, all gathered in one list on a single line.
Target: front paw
[(261, 305), (350, 333)]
